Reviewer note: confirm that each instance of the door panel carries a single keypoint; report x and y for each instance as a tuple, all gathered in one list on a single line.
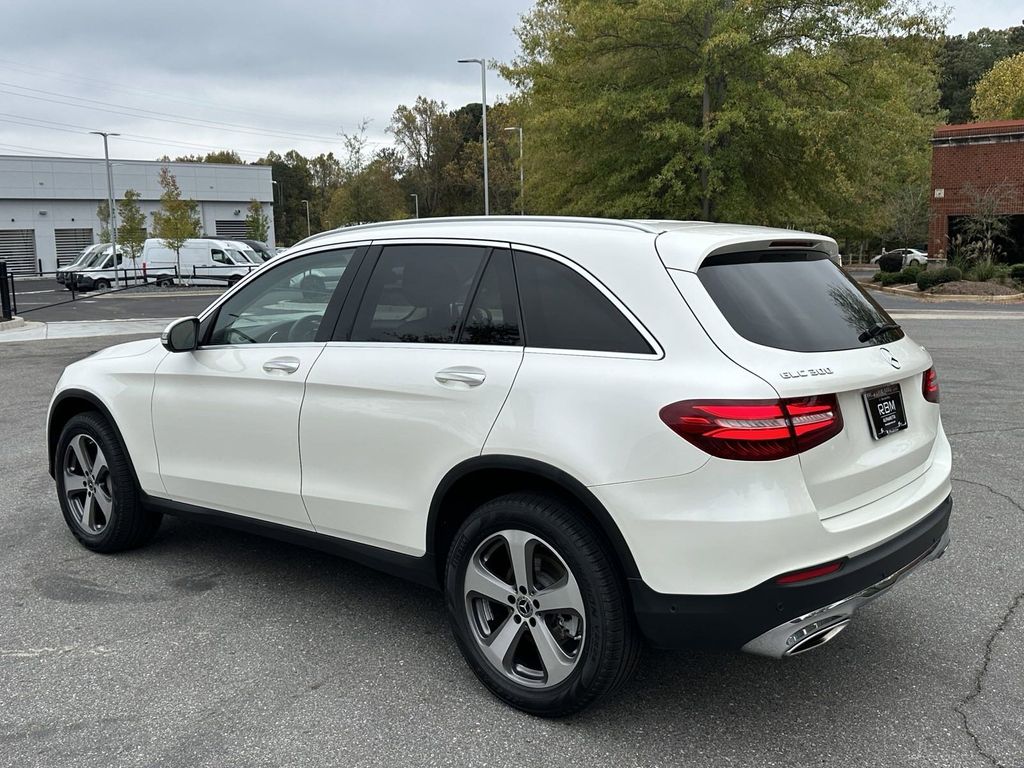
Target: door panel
[(226, 416), (382, 424), (224, 419)]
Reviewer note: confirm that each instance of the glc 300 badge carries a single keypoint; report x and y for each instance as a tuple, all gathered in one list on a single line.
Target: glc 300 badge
[(803, 372)]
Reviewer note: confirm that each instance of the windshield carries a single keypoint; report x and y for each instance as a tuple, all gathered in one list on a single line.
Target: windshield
[(239, 257), (797, 300)]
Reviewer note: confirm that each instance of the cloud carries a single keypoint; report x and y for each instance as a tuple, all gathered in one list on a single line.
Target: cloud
[(303, 72)]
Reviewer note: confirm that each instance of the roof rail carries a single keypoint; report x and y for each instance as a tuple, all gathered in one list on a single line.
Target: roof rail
[(620, 223)]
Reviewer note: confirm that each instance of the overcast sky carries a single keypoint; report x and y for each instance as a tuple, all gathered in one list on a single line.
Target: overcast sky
[(188, 77)]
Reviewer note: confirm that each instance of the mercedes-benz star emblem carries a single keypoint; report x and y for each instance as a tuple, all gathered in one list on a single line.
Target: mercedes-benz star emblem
[(890, 358)]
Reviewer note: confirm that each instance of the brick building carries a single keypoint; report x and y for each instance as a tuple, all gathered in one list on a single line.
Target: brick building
[(972, 161)]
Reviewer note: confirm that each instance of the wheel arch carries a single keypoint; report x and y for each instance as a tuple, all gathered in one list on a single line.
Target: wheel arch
[(70, 403), (476, 480)]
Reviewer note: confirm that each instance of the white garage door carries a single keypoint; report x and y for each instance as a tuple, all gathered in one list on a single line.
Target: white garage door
[(70, 243), (18, 249)]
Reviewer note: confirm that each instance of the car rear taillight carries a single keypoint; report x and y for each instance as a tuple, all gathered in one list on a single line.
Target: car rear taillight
[(930, 385), (755, 430)]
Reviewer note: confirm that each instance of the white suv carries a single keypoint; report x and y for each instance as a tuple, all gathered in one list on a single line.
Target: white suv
[(586, 432)]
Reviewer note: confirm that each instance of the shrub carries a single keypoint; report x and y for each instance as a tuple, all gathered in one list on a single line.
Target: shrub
[(932, 277), (909, 274), (891, 262), (877, 277), (982, 272), (1017, 271), (891, 278)]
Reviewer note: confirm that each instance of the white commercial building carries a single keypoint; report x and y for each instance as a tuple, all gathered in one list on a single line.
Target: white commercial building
[(48, 206)]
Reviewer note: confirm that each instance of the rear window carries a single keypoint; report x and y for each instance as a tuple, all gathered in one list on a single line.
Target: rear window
[(797, 301)]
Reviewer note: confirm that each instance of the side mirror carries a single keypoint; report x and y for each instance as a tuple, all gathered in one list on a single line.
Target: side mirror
[(181, 335)]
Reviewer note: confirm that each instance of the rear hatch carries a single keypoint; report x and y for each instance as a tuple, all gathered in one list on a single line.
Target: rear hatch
[(797, 320)]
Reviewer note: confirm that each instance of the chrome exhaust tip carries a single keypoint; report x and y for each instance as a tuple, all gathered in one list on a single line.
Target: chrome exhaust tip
[(815, 639)]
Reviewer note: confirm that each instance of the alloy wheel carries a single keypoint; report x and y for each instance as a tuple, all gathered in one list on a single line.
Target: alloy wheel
[(525, 608), (88, 486)]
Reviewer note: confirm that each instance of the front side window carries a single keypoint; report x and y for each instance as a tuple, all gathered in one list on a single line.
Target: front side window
[(219, 256), (563, 310), (417, 293), (285, 304)]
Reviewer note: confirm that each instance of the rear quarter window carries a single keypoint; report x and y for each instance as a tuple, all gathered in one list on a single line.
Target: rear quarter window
[(799, 301)]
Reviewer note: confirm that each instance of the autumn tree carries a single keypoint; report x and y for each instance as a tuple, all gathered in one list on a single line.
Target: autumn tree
[(177, 221), (256, 222), (964, 59), (131, 235), (999, 95), (103, 214)]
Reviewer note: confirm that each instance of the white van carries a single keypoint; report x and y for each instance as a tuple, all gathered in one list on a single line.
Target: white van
[(203, 261), (97, 270), (85, 258)]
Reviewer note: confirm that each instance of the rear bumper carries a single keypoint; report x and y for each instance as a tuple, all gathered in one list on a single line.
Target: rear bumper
[(771, 618)]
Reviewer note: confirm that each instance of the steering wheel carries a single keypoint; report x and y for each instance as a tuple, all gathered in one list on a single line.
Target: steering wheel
[(305, 328), (479, 316)]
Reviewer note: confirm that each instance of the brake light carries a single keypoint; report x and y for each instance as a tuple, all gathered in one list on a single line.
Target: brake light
[(809, 573), (930, 385), (755, 430)]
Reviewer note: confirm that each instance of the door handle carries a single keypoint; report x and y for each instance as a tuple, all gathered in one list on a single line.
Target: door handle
[(461, 376), (280, 366)]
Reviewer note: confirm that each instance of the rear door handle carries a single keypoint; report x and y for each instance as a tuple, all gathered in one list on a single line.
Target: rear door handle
[(281, 366), (461, 376)]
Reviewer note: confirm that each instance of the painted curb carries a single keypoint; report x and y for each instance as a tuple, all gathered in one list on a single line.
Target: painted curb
[(938, 299)]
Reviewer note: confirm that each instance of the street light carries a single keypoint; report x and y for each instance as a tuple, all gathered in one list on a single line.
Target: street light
[(522, 186), (483, 102), (110, 201), (280, 188), (416, 199), (308, 230)]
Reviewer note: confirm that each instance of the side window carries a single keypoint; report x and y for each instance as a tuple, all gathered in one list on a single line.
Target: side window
[(219, 256), (417, 293), (562, 310), (493, 316), (285, 304)]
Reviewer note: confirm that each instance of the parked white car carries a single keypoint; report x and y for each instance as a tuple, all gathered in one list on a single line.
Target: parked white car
[(911, 257), (586, 432)]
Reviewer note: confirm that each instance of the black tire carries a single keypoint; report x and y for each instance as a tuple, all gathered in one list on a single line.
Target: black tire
[(129, 524), (101, 285), (610, 645), (163, 282)]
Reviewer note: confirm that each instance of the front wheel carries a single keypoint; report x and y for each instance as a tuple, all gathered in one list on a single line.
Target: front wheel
[(96, 487), (538, 607), (101, 285)]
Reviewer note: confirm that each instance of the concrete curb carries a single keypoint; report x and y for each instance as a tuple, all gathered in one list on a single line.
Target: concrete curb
[(10, 325), (1005, 299)]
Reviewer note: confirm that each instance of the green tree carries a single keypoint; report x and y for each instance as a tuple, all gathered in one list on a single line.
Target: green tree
[(372, 194), (791, 112), (131, 234), (999, 95), (429, 138), (178, 219), (964, 59), (256, 221), (103, 214)]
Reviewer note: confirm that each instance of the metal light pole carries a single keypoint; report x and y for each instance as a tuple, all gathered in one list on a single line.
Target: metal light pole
[(483, 102), (416, 199), (110, 201), (308, 230), (280, 188), (522, 185)]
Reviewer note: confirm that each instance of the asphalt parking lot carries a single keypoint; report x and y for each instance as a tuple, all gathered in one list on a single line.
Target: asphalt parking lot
[(44, 300), (216, 648)]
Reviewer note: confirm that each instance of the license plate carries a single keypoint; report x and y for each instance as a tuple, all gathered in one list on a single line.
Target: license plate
[(885, 410)]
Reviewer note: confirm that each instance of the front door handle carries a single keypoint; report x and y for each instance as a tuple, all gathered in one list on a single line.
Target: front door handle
[(281, 366), (461, 376)]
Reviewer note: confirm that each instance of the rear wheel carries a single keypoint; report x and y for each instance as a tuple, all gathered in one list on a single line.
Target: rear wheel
[(96, 488), (537, 606)]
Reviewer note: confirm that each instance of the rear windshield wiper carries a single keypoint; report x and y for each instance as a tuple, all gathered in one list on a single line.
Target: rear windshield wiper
[(877, 330)]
